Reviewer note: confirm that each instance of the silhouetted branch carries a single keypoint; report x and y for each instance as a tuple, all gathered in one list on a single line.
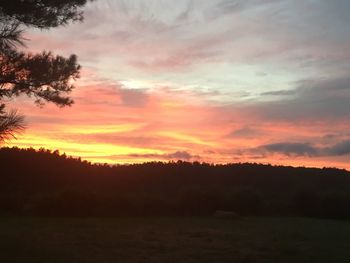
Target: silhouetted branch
[(11, 123), (10, 35)]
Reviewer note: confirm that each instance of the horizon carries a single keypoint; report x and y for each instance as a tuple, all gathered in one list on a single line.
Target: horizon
[(173, 161), (210, 81)]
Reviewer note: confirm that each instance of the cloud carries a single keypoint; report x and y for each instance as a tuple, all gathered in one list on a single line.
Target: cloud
[(178, 155), (180, 60), (182, 155), (340, 149), (227, 7), (241, 74), (114, 94), (289, 149), (133, 97), (305, 149), (234, 7), (279, 93), (312, 100), (245, 132)]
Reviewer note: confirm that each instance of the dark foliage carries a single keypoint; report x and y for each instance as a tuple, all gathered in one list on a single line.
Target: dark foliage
[(44, 76), (43, 13), (47, 183)]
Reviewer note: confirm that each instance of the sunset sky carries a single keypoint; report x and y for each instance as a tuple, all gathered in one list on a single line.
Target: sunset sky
[(214, 81)]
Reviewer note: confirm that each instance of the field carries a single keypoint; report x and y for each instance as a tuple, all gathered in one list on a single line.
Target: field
[(155, 239)]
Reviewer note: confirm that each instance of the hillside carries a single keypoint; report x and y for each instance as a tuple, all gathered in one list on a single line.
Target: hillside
[(47, 183)]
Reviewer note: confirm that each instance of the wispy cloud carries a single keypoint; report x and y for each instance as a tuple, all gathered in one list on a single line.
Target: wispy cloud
[(221, 80)]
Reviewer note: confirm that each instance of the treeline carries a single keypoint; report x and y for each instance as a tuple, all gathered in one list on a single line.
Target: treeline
[(48, 183)]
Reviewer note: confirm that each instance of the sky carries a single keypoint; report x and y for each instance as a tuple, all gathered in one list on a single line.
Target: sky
[(217, 81)]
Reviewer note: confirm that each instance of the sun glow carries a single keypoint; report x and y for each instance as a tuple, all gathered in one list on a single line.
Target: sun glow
[(92, 151), (103, 129)]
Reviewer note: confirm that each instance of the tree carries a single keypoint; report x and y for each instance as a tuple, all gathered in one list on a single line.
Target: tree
[(10, 124), (44, 76)]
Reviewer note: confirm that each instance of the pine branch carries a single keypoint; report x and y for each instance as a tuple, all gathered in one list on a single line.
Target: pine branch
[(11, 124)]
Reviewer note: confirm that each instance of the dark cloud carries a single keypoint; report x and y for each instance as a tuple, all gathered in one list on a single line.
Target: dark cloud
[(341, 148), (178, 155), (290, 149), (311, 100), (183, 155), (305, 149)]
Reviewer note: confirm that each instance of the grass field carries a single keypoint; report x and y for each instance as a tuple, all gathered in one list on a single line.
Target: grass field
[(185, 240)]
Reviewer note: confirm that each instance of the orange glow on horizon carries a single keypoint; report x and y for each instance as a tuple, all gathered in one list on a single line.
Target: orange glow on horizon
[(122, 126)]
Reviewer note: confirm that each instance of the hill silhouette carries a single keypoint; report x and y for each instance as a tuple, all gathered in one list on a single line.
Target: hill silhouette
[(48, 183)]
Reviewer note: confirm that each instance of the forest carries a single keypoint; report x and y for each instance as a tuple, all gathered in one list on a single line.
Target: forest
[(47, 183)]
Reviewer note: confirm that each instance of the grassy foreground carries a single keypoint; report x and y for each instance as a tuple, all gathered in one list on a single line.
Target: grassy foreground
[(173, 240)]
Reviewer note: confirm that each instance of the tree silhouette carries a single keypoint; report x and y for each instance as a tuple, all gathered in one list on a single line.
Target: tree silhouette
[(44, 76), (10, 124), (49, 183)]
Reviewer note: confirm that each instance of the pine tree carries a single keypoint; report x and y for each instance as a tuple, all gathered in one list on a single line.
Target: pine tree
[(44, 76)]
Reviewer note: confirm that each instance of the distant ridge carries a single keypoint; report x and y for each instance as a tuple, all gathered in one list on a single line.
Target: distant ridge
[(47, 183)]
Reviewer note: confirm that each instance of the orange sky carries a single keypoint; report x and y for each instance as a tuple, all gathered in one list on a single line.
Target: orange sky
[(102, 126), (259, 81)]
